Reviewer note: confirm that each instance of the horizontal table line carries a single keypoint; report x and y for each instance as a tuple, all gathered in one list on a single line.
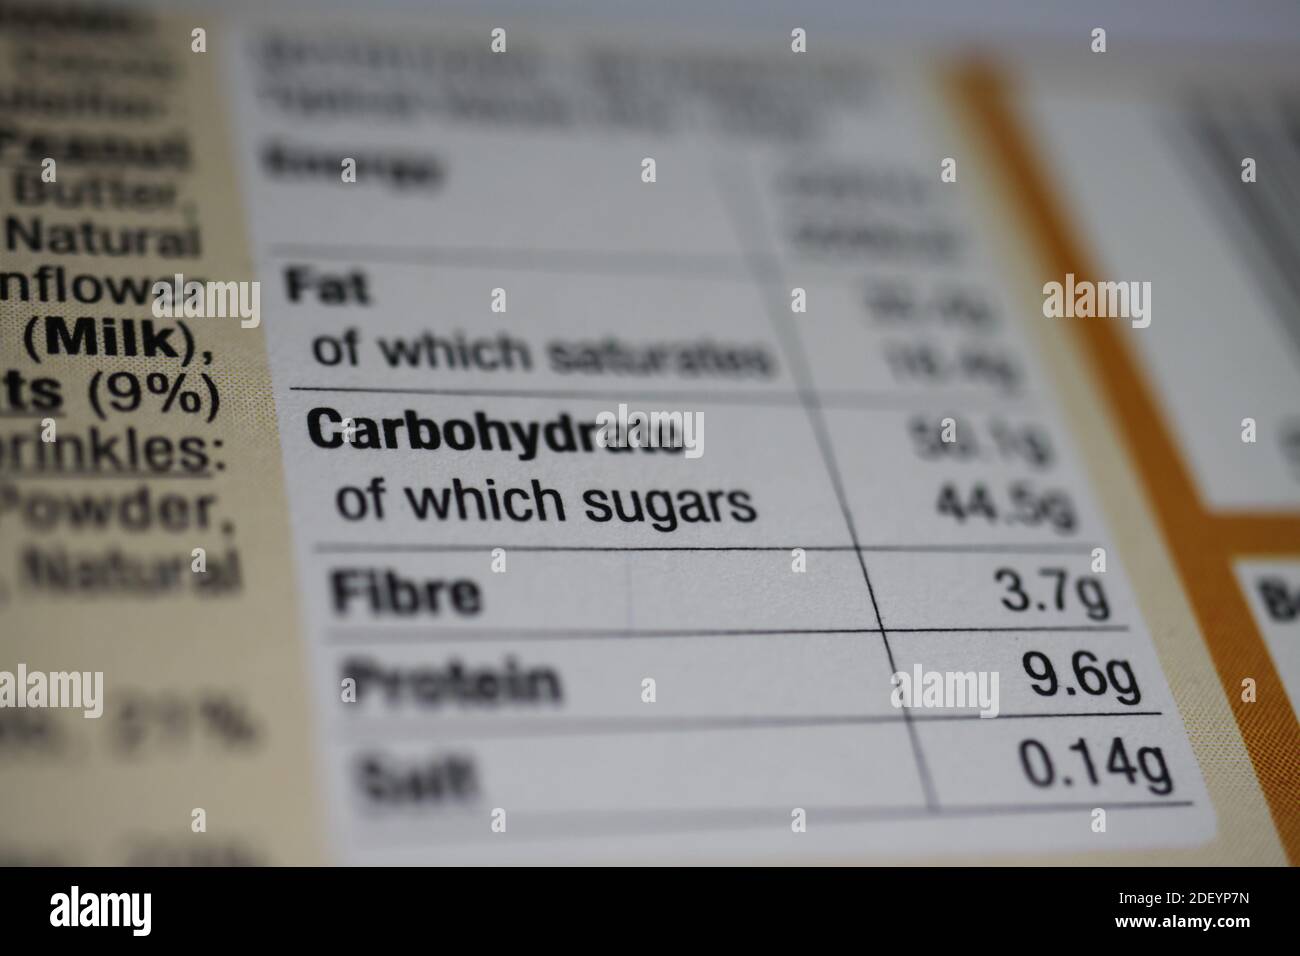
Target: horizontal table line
[(597, 822), (347, 547), (704, 265), (420, 728), (372, 634), (834, 398)]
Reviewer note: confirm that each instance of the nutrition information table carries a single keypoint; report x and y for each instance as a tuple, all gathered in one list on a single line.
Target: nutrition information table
[(498, 593)]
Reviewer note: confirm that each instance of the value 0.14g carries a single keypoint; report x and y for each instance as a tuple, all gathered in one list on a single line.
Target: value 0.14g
[(1081, 765)]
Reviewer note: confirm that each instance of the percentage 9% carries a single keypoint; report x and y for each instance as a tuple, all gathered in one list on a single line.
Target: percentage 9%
[(125, 392)]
